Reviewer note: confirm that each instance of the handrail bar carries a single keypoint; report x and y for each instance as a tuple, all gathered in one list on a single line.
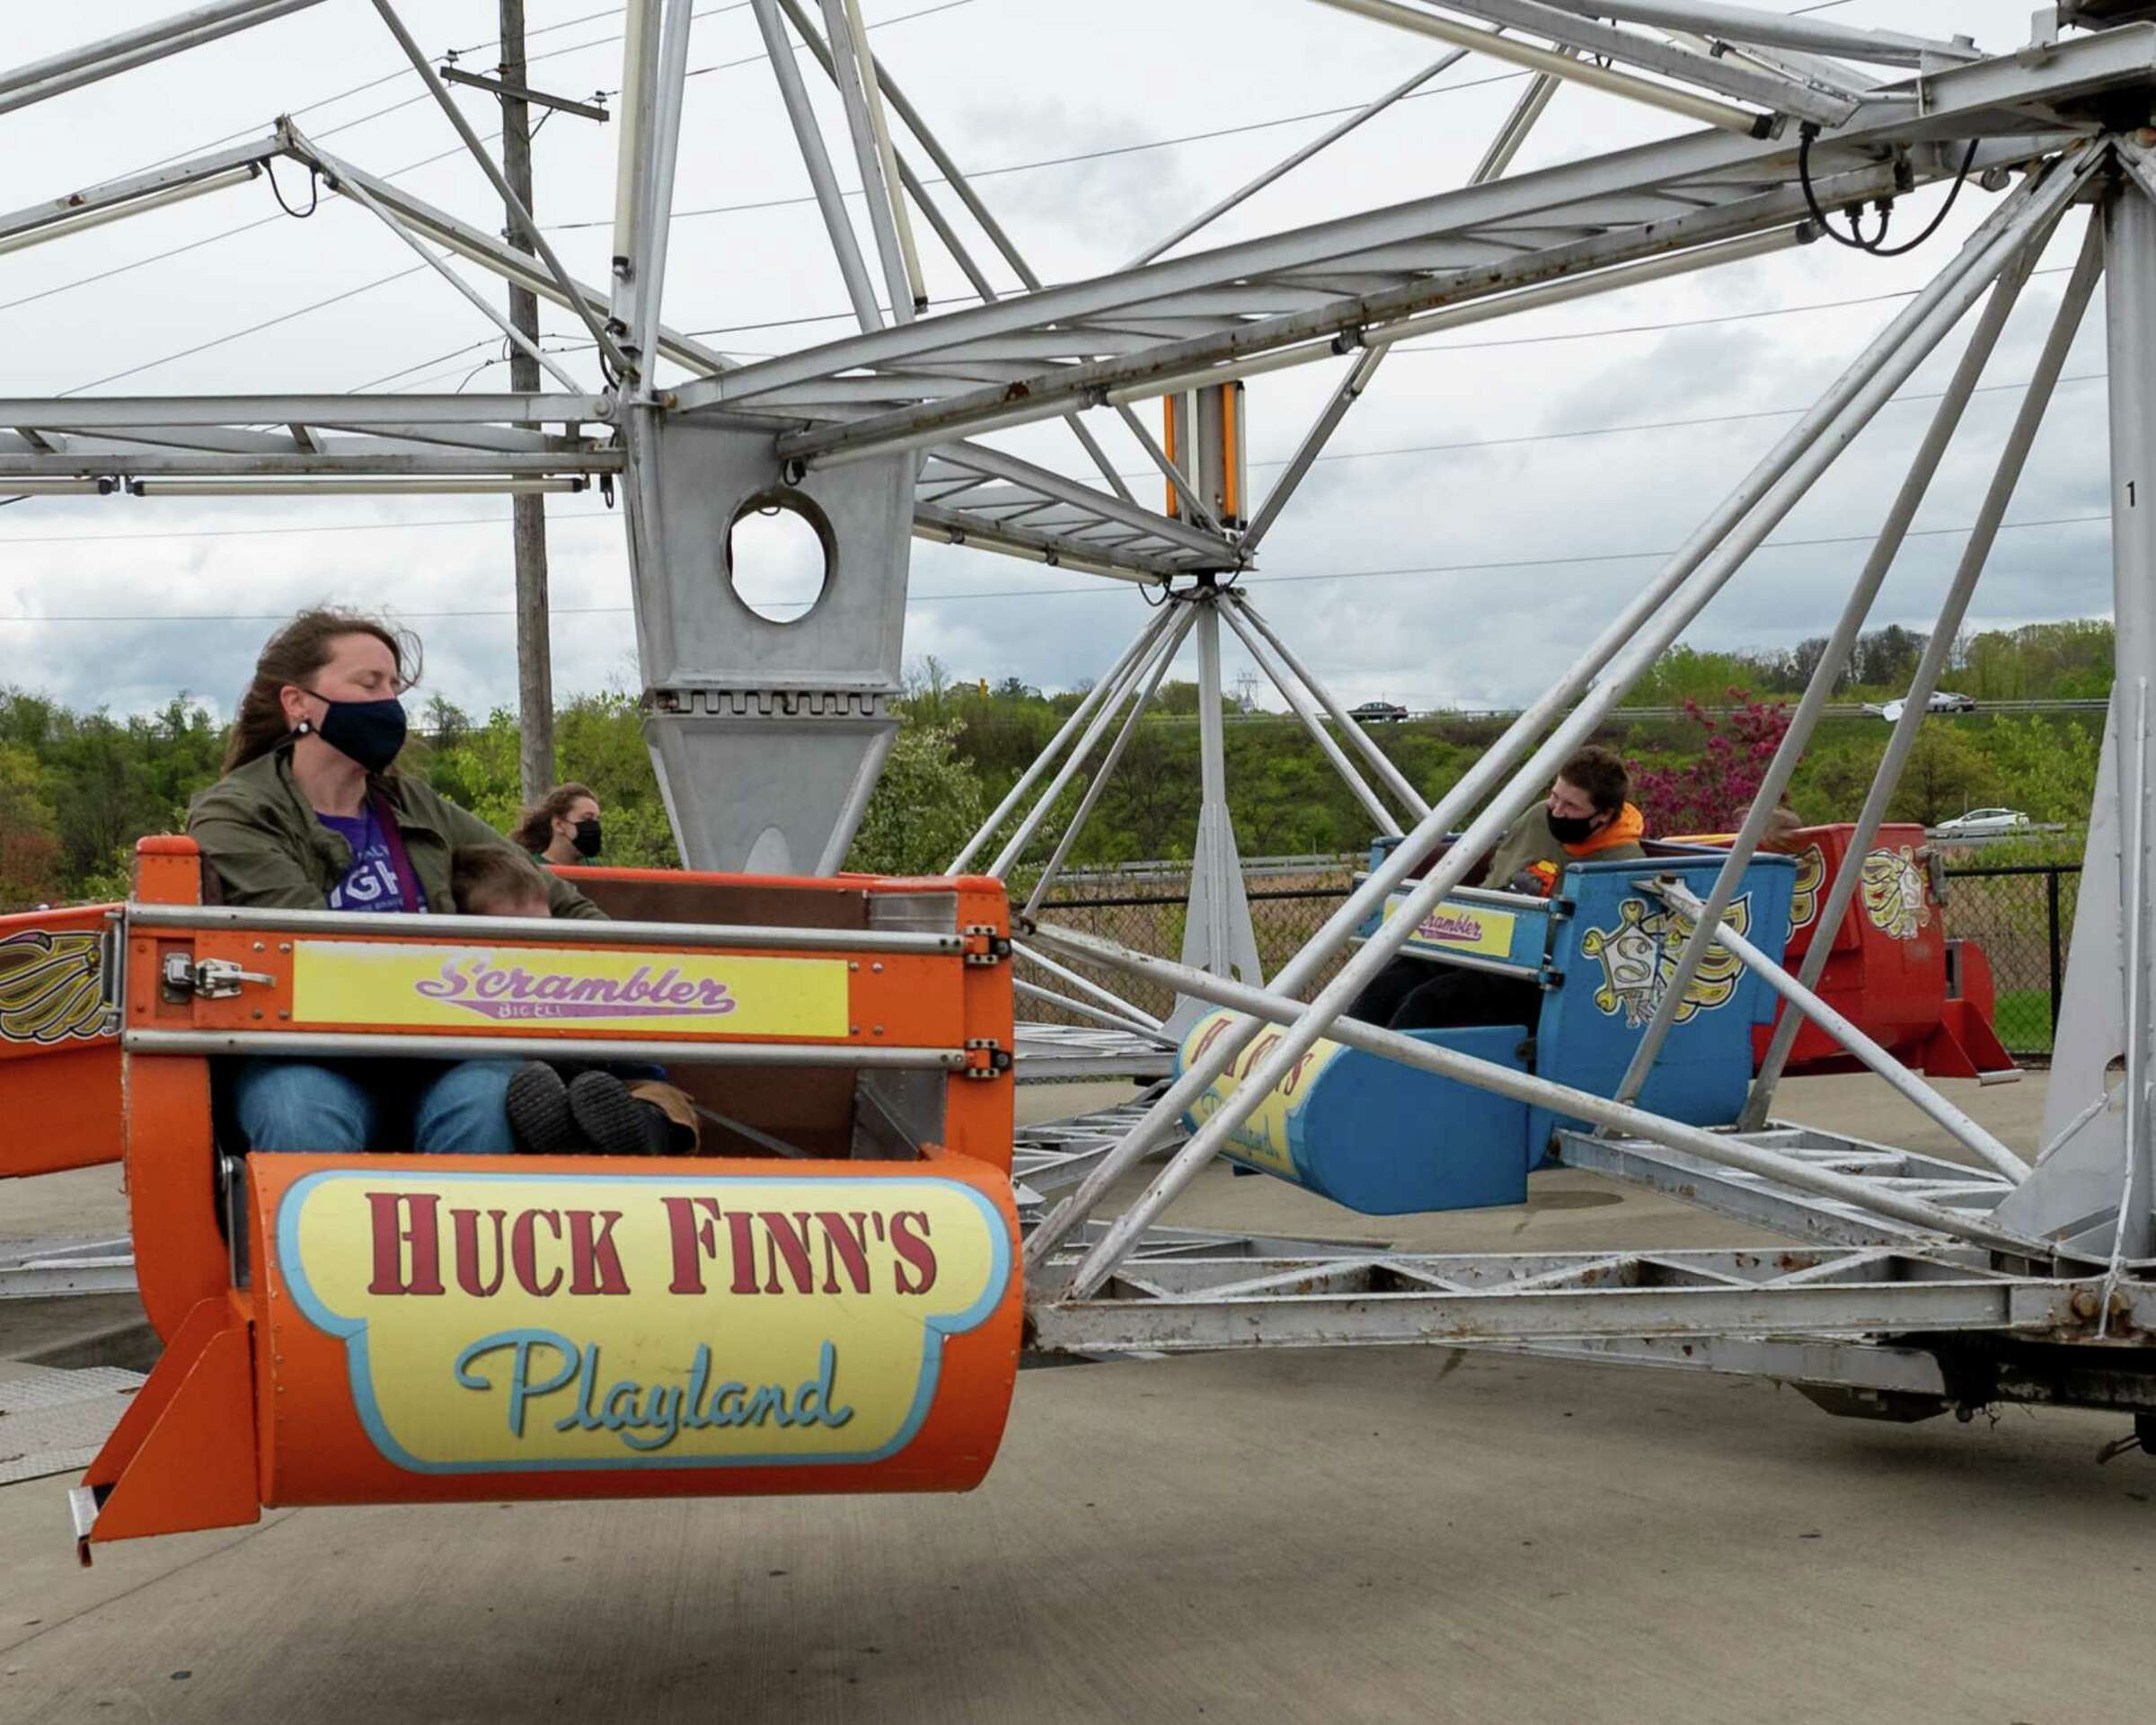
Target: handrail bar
[(392, 1045), (552, 930)]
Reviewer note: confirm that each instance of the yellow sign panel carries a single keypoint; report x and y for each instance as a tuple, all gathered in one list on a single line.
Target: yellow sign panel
[(1263, 1141), (1462, 928), (500, 1321), (461, 987)]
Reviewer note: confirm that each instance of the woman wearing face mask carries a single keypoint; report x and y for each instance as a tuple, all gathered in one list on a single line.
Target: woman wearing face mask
[(310, 814), (561, 829)]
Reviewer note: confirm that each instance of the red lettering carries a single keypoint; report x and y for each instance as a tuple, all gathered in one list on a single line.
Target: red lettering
[(738, 1226), (790, 1244), (847, 1240), (524, 1251), (467, 1251), (915, 1249), (694, 1241), (392, 1234), (595, 1267)]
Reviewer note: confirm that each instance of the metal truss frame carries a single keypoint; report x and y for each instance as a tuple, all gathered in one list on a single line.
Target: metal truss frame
[(1795, 114)]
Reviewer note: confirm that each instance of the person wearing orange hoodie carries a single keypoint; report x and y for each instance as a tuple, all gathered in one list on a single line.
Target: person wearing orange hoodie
[(1588, 817)]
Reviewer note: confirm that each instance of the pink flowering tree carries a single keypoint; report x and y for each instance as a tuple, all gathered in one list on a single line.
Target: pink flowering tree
[(1712, 792)]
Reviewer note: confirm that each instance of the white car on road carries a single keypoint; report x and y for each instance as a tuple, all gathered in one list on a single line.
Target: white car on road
[(1941, 700), (1983, 823)]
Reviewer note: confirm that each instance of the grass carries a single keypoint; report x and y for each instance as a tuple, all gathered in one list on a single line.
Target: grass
[(2023, 1020)]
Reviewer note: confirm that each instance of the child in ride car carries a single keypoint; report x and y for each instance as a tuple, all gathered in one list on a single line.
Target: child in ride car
[(565, 1109)]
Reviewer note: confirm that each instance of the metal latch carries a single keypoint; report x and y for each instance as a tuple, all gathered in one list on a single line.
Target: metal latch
[(986, 1057), (983, 945), (207, 979)]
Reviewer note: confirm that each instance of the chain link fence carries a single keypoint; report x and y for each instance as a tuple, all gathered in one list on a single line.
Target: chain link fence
[(2020, 914), (1286, 911)]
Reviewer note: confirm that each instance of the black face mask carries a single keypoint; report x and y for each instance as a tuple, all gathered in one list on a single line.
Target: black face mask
[(368, 733), (1570, 830), (586, 839)]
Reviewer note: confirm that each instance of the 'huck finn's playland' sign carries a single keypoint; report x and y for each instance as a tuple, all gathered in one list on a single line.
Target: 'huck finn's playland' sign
[(508, 1322)]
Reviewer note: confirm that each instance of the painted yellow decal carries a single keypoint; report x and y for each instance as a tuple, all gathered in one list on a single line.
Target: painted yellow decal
[(52, 986), (1263, 1141), (498, 1322), (1462, 928), (1803, 897), (1894, 893), (461, 987), (1639, 955)]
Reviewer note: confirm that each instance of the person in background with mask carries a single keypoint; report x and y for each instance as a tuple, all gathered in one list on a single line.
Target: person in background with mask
[(561, 829), (1588, 817), (311, 815)]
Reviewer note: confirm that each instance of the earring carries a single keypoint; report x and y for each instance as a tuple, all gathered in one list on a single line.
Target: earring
[(304, 728)]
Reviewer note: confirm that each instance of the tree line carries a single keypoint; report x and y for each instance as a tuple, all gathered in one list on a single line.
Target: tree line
[(78, 788)]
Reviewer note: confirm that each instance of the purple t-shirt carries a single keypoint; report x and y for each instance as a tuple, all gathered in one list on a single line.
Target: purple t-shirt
[(374, 881)]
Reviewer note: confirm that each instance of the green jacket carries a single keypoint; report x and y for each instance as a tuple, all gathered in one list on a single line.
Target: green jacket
[(269, 850)]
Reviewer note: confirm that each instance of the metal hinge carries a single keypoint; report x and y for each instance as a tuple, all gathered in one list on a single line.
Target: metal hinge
[(986, 1057), (983, 945), (207, 979)]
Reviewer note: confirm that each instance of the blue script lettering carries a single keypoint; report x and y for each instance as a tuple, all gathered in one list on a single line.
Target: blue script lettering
[(648, 1417)]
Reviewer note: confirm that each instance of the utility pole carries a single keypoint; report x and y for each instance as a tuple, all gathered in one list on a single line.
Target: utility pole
[(527, 514)]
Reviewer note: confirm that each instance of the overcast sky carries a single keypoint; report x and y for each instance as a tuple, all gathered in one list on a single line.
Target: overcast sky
[(1468, 535)]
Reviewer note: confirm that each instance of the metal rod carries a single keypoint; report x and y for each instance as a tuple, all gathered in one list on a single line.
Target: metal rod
[(1215, 869), (1956, 1124), (336, 171), (1111, 761), (1202, 516), (60, 225), (1136, 1014), (1775, 90), (640, 69), (1167, 638), (1397, 781), (650, 267), (958, 182), (1112, 1021), (76, 66), (2131, 1228), (1315, 440), (522, 216), (1369, 110), (857, 34), (395, 1046), (1995, 240), (779, 47), (1514, 132), (1295, 697), (1041, 762), (2072, 301), (526, 931), (1595, 76), (1535, 1092), (1946, 419), (869, 163), (2129, 230), (518, 268), (1776, 29)]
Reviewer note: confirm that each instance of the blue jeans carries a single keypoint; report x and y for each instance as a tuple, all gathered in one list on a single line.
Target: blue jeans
[(350, 1107)]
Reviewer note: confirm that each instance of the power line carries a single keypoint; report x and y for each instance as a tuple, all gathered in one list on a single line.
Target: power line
[(1104, 587)]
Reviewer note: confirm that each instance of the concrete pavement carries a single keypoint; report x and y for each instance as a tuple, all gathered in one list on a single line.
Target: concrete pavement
[(1336, 1535)]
